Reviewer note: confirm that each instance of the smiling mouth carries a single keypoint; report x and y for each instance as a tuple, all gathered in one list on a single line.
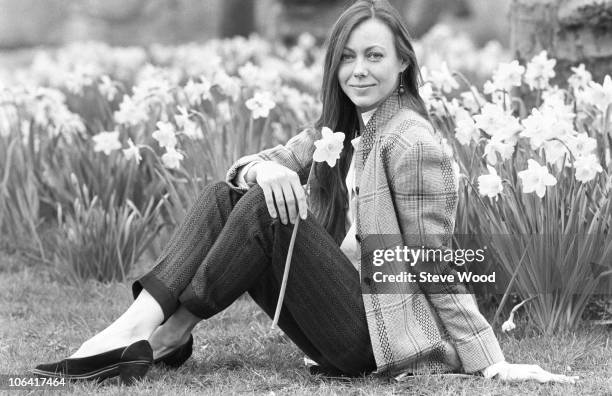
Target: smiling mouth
[(362, 87)]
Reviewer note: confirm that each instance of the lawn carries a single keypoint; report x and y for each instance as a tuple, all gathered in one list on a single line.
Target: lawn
[(44, 319)]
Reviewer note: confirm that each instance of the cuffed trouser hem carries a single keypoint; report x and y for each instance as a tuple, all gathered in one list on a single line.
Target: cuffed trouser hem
[(195, 306), (168, 302)]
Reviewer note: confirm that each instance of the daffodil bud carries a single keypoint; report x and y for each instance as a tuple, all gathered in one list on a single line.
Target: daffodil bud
[(508, 326)]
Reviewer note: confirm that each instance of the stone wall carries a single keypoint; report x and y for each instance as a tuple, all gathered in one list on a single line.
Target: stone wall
[(571, 31)]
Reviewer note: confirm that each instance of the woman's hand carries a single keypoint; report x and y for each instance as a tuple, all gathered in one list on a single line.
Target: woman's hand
[(525, 372), (281, 186)]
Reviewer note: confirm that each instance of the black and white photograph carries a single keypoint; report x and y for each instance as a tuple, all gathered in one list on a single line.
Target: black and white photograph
[(306, 197)]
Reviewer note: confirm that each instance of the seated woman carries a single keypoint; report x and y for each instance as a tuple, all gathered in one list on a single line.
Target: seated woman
[(393, 178)]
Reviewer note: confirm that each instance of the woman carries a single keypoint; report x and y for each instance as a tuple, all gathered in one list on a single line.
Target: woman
[(396, 181)]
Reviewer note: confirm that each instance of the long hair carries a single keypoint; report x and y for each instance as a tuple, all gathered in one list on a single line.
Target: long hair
[(340, 114)]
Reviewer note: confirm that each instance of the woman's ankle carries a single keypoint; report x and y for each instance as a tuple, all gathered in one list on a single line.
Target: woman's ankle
[(165, 336), (104, 342)]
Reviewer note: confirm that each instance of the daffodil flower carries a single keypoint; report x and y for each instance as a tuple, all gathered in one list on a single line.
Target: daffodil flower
[(260, 104), (190, 128), (132, 152), (587, 167), (491, 184), (165, 135), (600, 95), (107, 142), (535, 178), (172, 158), (539, 71), (329, 147), (509, 325)]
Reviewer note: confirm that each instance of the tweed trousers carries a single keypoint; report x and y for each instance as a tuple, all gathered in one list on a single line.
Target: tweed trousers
[(228, 245)]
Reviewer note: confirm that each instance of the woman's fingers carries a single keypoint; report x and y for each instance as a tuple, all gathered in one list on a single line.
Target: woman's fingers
[(279, 198), (542, 375), (545, 376), (300, 196), (284, 194), (524, 372), (267, 190), (290, 201), (564, 379)]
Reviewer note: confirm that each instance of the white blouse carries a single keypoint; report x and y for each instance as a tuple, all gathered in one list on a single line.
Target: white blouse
[(349, 244)]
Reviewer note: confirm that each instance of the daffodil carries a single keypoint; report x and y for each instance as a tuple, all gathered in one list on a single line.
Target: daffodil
[(580, 77), (197, 92), (82, 75), (490, 117), (260, 104), (132, 152), (496, 145), (509, 325), (508, 75), (107, 87), (329, 147), (535, 178), (471, 100), (227, 85), (491, 184), (600, 95), (165, 135), (190, 128), (107, 142), (426, 92), (255, 76), (466, 130), (443, 78), (172, 158), (582, 144), (538, 128), (130, 112), (587, 167), (555, 151), (539, 71)]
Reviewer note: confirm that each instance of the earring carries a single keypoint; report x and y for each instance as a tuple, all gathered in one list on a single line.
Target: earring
[(401, 89)]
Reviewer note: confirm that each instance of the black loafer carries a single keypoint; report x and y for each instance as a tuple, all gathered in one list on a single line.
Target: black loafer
[(178, 356), (130, 363)]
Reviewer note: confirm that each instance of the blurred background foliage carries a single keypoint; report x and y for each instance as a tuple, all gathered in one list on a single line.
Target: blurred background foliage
[(28, 23)]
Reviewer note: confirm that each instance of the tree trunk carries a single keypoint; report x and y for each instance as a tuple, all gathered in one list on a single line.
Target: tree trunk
[(571, 31)]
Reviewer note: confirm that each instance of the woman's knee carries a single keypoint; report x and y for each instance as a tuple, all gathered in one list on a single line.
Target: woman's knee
[(254, 196), (217, 191), (251, 205), (220, 187)]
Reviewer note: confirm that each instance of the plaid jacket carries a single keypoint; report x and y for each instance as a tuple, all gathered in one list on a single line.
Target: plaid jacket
[(408, 191)]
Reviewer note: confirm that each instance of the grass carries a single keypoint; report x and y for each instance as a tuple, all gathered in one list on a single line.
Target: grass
[(44, 319)]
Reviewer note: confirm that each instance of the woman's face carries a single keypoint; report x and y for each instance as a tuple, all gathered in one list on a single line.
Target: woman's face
[(369, 67)]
